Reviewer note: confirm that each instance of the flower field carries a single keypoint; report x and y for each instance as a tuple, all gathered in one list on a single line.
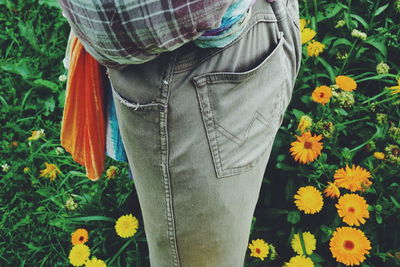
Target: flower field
[(331, 191)]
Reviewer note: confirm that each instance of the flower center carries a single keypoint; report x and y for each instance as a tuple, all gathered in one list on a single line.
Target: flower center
[(321, 95), (307, 144), (348, 244), (351, 209), (81, 238), (258, 250)]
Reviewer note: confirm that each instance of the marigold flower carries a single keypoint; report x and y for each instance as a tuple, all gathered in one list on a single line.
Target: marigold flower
[(111, 172), (349, 245), (307, 35), (94, 262), (302, 23), (306, 148), (80, 236), (304, 123), (308, 199), (354, 179), (379, 155), (51, 171), (314, 48), (299, 261), (126, 226), (396, 89), (346, 83), (352, 208), (309, 243), (332, 190), (36, 135), (322, 94), (259, 249), (79, 254)]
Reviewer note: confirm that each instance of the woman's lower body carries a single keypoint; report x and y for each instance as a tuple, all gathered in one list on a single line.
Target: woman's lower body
[(198, 126)]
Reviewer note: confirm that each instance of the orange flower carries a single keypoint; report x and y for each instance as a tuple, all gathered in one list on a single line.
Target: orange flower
[(353, 209), (322, 94), (346, 83), (306, 148), (80, 236), (332, 190), (353, 179)]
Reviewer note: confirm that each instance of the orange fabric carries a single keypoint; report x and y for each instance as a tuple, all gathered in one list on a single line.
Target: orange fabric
[(83, 124)]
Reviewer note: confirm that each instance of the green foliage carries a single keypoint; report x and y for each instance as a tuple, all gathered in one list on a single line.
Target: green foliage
[(36, 224)]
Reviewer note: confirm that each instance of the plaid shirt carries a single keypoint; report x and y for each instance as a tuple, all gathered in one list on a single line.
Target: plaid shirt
[(118, 33)]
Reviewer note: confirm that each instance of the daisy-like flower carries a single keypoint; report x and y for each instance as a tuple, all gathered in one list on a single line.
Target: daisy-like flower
[(346, 83), (80, 236), (306, 148), (309, 243), (307, 35), (304, 123), (259, 249), (332, 190), (308, 199), (353, 209), (51, 171), (126, 226), (349, 245), (322, 94), (79, 254), (299, 261), (314, 48), (5, 167), (396, 88), (379, 155), (354, 179), (303, 24), (94, 262), (111, 172), (36, 135)]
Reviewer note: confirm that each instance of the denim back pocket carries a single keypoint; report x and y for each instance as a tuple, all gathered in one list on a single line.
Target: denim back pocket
[(242, 111)]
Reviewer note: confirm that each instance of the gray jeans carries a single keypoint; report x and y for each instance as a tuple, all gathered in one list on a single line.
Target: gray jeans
[(198, 125)]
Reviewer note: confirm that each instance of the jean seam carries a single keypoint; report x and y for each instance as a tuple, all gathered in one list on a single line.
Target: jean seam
[(165, 163)]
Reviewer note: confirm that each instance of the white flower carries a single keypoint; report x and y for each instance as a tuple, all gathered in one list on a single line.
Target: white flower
[(62, 77), (5, 167), (359, 34), (59, 150)]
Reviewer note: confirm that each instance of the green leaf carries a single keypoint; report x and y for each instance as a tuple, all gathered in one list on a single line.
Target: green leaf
[(395, 202), (361, 20), (297, 113), (293, 216), (380, 46), (46, 83), (328, 68), (91, 218), (381, 9)]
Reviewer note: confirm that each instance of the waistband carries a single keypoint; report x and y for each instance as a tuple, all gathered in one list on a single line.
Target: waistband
[(187, 56)]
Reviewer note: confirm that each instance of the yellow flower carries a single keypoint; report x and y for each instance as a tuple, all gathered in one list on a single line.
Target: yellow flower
[(259, 248), (306, 148), (80, 236), (111, 172), (314, 48), (322, 94), (94, 262), (396, 89), (346, 83), (307, 35), (354, 179), (349, 245), (126, 226), (309, 243), (79, 254), (299, 261), (304, 124), (51, 171), (379, 155), (353, 209), (332, 190), (26, 170), (308, 199), (36, 135), (303, 24)]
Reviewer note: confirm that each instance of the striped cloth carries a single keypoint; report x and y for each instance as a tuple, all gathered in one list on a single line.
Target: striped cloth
[(122, 32)]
